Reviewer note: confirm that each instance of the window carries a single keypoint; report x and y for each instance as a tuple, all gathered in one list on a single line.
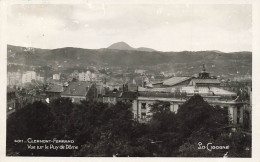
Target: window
[(143, 106), (226, 108), (238, 114), (175, 108), (228, 114), (143, 115)]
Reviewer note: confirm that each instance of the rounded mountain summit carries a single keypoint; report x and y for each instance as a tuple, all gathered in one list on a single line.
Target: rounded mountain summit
[(124, 46)]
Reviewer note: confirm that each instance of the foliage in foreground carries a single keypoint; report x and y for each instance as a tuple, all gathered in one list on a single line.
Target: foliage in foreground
[(102, 130)]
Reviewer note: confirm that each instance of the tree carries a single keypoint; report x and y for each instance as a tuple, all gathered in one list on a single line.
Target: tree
[(32, 121), (162, 119), (61, 108), (163, 130), (196, 113), (179, 132), (102, 130), (200, 122)]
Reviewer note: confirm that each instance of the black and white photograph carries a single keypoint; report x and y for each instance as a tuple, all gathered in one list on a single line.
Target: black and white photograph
[(99, 79)]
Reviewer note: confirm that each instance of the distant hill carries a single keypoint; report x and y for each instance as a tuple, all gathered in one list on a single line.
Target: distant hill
[(125, 46), (121, 46), (145, 49), (186, 61)]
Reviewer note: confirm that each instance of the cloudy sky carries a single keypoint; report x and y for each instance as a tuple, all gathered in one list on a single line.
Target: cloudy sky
[(162, 27)]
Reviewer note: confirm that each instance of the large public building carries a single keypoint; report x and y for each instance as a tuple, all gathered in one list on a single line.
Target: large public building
[(177, 90)]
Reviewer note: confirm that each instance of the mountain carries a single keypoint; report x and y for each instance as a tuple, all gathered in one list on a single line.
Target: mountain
[(217, 51), (145, 49), (121, 46), (125, 46), (186, 61)]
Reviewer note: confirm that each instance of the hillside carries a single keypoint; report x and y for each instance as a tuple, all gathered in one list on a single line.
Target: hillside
[(125, 46), (121, 46), (186, 61)]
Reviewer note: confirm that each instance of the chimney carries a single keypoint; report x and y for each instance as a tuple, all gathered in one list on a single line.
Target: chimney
[(126, 87), (142, 82)]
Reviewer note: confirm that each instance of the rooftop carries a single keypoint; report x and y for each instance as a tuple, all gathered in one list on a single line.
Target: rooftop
[(141, 89), (77, 89), (161, 94), (128, 95), (113, 94), (175, 80), (183, 91), (206, 81), (55, 88)]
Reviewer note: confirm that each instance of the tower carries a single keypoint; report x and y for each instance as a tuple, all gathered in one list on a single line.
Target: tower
[(204, 74)]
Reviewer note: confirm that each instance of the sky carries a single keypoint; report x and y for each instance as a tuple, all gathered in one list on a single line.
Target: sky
[(165, 27)]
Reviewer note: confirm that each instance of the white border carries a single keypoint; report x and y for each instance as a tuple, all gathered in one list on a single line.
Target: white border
[(255, 73)]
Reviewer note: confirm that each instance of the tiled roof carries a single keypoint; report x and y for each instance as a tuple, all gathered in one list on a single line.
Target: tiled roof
[(113, 94), (55, 88), (77, 89), (189, 90), (175, 80), (192, 90), (160, 94), (141, 89), (219, 91), (157, 82), (129, 95), (132, 87), (206, 91), (205, 81)]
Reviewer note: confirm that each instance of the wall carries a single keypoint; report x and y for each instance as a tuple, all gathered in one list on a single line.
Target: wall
[(137, 109), (110, 100), (134, 108), (75, 99), (232, 110)]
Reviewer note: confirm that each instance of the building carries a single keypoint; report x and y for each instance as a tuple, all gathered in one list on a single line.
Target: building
[(204, 79), (54, 91), (28, 76), (175, 81), (14, 78), (111, 97), (204, 85), (177, 96), (100, 89), (127, 97), (75, 75), (140, 71), (39, 78), (56, 76), (14, 100), (11, 100), (205, 82), (76, 91), (85, 76)]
